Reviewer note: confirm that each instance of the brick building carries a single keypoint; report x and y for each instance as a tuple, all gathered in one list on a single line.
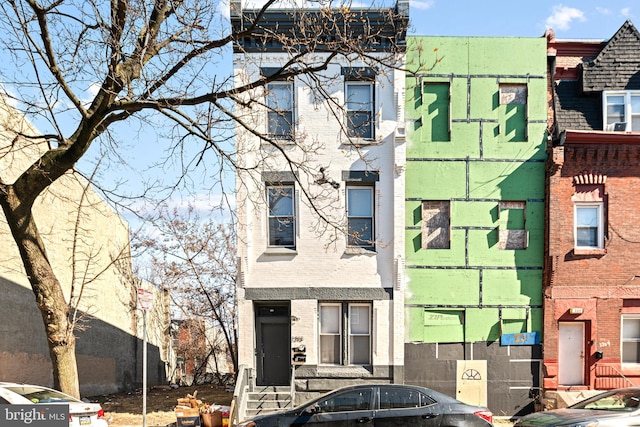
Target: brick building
[(592, 268)]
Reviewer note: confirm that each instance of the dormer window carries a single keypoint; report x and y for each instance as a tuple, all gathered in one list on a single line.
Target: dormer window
[(621, 111)]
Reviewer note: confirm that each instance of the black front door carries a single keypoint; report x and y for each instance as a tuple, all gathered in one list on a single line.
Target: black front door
[(273, 345)]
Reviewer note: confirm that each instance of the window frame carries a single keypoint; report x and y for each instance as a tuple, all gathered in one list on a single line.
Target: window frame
[(347, 349), (628, 114), (370, 245), (624, 340), (352, 131), (292, 217), (278, 113), (599, 226), (321, 334)]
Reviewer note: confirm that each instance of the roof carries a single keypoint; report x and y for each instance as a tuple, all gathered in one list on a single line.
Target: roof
[(267, 31), (617, 66), (583, 70), (576, 110)]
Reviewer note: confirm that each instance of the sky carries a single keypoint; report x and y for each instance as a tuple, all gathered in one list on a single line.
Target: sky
[(577, 19), (570, 19)]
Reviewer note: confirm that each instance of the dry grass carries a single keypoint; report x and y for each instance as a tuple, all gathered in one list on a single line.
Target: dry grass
[(125, 409)]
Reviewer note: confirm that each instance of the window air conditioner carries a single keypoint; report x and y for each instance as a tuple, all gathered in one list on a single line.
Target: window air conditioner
[(617, 126)]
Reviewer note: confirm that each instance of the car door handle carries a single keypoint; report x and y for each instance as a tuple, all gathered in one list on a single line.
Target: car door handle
[(363, 420), (429, 416)]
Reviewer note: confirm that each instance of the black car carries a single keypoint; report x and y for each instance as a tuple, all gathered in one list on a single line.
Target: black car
[(379, 405)]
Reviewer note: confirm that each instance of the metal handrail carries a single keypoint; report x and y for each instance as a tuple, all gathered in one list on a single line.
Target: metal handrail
[(622, 375)]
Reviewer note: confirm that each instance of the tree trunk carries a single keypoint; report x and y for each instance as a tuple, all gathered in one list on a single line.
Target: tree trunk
[(48, 292)]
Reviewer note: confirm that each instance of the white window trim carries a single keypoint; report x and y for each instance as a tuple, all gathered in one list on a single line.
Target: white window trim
[(622, 340), (341, 307), (320, 334), (292, 87), (600, 217), (628, 113), (372, 94), (293, 217), (370, 335), (372, 245)]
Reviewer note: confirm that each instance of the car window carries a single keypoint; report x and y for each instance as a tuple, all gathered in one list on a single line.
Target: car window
[(41, 395), (354, 400), (625, 401), (395, 398)]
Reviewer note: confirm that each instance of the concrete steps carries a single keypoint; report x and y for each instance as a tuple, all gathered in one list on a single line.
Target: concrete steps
[(266, 400)]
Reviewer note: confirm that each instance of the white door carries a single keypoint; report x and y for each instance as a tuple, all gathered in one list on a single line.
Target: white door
[(571, 353), (472, 382)]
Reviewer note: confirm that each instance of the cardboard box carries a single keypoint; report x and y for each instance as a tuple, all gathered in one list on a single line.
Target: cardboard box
[(188, 422), (187, 417), (213, 419)]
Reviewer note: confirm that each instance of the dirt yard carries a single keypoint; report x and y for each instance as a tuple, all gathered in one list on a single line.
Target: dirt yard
[(125, 409)]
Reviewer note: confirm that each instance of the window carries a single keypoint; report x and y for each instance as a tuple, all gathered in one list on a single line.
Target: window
[(330, 327), (360, 216), (355, 400), (280, 110), (511, 225), (436, 111), (622, 111), (513, 111), (436, 221), (282, 228), (359, 334), (359, 100), (399, 398), (356, 339), (630, 339), (588, 231)]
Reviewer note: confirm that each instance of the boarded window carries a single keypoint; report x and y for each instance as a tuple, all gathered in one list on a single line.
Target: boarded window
[(513, 112), (436, 221), (444, 325), (512, 233), (436, 107)]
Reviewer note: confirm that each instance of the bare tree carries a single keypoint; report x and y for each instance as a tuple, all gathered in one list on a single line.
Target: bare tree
[(81, 69), (195, 260)]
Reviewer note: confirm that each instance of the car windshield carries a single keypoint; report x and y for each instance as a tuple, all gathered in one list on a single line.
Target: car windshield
[(623, 401), (41, 395)]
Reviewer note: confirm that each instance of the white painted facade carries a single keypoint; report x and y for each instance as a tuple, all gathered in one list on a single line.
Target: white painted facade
[(322, 268)]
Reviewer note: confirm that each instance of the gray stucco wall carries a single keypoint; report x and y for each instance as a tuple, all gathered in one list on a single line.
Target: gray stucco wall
[(109, 359)]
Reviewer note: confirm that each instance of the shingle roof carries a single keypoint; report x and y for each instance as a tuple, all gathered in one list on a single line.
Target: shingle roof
[(617, 67), (576, 110)]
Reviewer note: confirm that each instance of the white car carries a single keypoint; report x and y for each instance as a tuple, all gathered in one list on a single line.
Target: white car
[(81, 414)]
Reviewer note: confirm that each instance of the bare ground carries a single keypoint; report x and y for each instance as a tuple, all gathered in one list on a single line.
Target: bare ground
[(125, 409)]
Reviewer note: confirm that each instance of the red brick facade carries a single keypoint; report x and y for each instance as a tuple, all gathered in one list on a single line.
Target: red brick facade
[(600, 285)]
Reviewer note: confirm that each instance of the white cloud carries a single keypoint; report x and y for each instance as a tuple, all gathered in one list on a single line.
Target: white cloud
[(603, 11), (422, 4), (562, 17), (626, 12)]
